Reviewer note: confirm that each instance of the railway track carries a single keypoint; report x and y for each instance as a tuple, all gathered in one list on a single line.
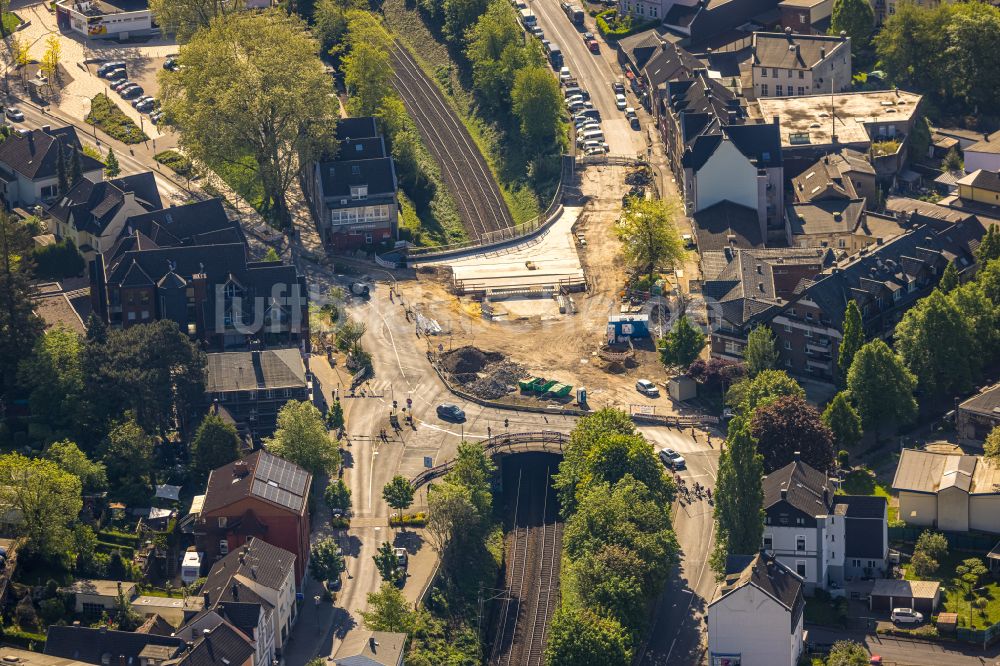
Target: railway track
[(463, 167), (532, 578)]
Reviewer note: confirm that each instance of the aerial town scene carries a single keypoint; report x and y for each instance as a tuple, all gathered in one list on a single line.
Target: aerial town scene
[(500, 333)]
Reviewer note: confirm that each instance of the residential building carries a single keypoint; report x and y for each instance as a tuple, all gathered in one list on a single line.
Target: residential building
[(354, 196), (980, 187), (106, 19), (29, 172), (380, 648), (93, 213), (259, 496), (247, 617), (650, 61), (253, 572), (983, 154), (794, 65), (806, 17), (174, 610), (214, 292), (700, 24), (825, 538), (222, 645), (885, 279), (979, 415), (722, 229), (254, 385), (846, 174), (951, 492), (29, 658), (755, 618), (842, 224), (93, 597), (103, 647), (815, 125)]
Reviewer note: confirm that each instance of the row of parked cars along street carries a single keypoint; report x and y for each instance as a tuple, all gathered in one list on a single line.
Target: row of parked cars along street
[(117, 73)]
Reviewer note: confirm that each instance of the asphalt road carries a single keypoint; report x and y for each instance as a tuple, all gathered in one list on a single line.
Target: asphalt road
[(595, 72), (676, 635)]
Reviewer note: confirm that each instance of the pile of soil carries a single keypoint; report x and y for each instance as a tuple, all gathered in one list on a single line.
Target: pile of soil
[(496, 379), (468, 359)]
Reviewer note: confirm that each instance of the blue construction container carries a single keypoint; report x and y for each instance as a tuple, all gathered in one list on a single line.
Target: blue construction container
[(621, 326)]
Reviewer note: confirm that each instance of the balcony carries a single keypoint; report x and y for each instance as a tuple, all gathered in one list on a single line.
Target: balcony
[(818, 348)]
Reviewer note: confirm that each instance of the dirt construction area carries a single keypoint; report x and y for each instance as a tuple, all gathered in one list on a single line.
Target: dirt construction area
[(529, 337)]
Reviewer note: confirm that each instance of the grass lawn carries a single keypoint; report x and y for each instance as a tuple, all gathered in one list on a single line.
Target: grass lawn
[(953, 595), (863, 482), (105, 115), (824, 612), (180, 163), (10, 22)]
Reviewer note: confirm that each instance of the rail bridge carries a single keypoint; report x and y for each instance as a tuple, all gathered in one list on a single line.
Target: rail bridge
[(543, 441)]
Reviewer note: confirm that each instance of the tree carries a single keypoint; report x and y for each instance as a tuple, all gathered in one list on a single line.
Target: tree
[(739, 496), (50, 59), (880, 386), (768, 385), (586, 437), (302, 438), (989, 246), (68, 456), (848, 653), (496, 51), (970, 571), (843, 421), (53, 375), (75, 169), (933, 543), (128, 456), (20, 54), (681, 345), (934, 341), (215, 443), (19, 325), (253, 94), (459, 15), (474, 469), (991, 447), (338, 496), (580, 636), (949, 279), (538, 105), (325, 560), (610, 580), (335, 417), (48, 501), (761, 352), (388, 610), (648, 235), (854, 338), (398, 494), (952, 161), (789, 425), (111, 166), (62, 171), (451, 516), (184, 18), (615, 456), (329, 24), (387, 564), (982, 318), (349, 335), (923, 564), (857, 19), (367, 66)]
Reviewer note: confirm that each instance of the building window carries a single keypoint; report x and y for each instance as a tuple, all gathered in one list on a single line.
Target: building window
[(779, 90), (774, 73), (804, 19), (222, 522), (788, 328), (802, 75), (763, 72), (768, 542), (856, 564), (788, 345), (800, 521), (359, 192), (763, 90), (800, 568), (48, 191), (653, 11), (789, 73), (733, 348), (841, 243), (801, 91), (871, 564), (90, 608), (223, 547), (800, 543)]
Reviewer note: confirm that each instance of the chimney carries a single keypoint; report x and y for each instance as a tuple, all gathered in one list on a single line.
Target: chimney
[(236, 591), (46, 128), (788, 33), (206, 632), (777, 120), (31, 140), (784, 493), (797, 455), (826, 495), (879, 241), (207, 598), (822, 52)]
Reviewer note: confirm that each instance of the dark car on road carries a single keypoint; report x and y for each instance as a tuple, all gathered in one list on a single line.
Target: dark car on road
[(130, 93), (618, 87), (450, 412), (109, 67)]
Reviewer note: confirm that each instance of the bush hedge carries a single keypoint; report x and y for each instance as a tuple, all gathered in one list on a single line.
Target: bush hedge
[(418, 519), (120, 538), (180, 163), (58, 260), (612, 27), (105, 115)]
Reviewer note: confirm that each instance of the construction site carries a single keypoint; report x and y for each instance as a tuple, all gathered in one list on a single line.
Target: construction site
[(552, 310)]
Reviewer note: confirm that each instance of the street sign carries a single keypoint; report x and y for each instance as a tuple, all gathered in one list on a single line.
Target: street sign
[(428, 462)]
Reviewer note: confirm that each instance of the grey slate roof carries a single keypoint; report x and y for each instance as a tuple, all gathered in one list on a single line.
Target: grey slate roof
[(197, 223), (367, 148), (864, 517), (987, 402), (825, 217), (727, 224), (258, 561), (254, 370), (222, 646), (356, 128), (90, 645), (804, 485), (92, 205), (777, 49), (35, 155), (771, 577), (381, 648), (982, 179), (337, 178)]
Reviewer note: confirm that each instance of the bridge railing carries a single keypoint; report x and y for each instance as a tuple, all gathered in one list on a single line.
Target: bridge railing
[(544, 440)]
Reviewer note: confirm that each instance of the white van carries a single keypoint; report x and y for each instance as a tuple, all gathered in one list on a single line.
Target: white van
[(528, 18), (591, 135)]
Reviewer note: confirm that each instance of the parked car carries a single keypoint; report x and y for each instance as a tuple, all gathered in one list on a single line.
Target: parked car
[(450, 412), (595, 147), (15, 114), (118, 85), (646, 387), (592, 45), (129, 93), (171, 63), (146, 106), (621, 102), (537, 32), (402, 557), (117, 74), (573, 99), (139, 100), (672, 459), (618, 87), (564, 74), (109, 67), (906, 616), (587, 113), (155, 117)]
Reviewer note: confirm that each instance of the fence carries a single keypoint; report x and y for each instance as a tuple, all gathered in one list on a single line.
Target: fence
[(543, 440), (613, 160), (524, 230)]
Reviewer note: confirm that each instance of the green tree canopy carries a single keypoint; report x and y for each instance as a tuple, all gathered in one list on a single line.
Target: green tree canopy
[(325, 560), (387, 563), (496, 51), (19, 325), (880, 386), (991, 447), (989, 247), (761, 352), (367, 65), (610, 580), (848, 653), (538, 105), (398, 494), (768, 385), (474, 469), (982, 318), (843, 421), (337, 495), (949, 279), (215, 443), (302, 438), (579, 636), (648, 235), (48, 500), (587, 436), (93, 475), (934, 340), (789, 424), (857, 19), (128, 456), (252, 94), (854, 338), (681, 346), (451, 517), (614, 456), (388, 610), (184, 17), (739, 496), (54, 376)]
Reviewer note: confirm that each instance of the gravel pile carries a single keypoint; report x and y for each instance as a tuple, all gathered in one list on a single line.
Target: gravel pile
[(495, 379), (468, 359)]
